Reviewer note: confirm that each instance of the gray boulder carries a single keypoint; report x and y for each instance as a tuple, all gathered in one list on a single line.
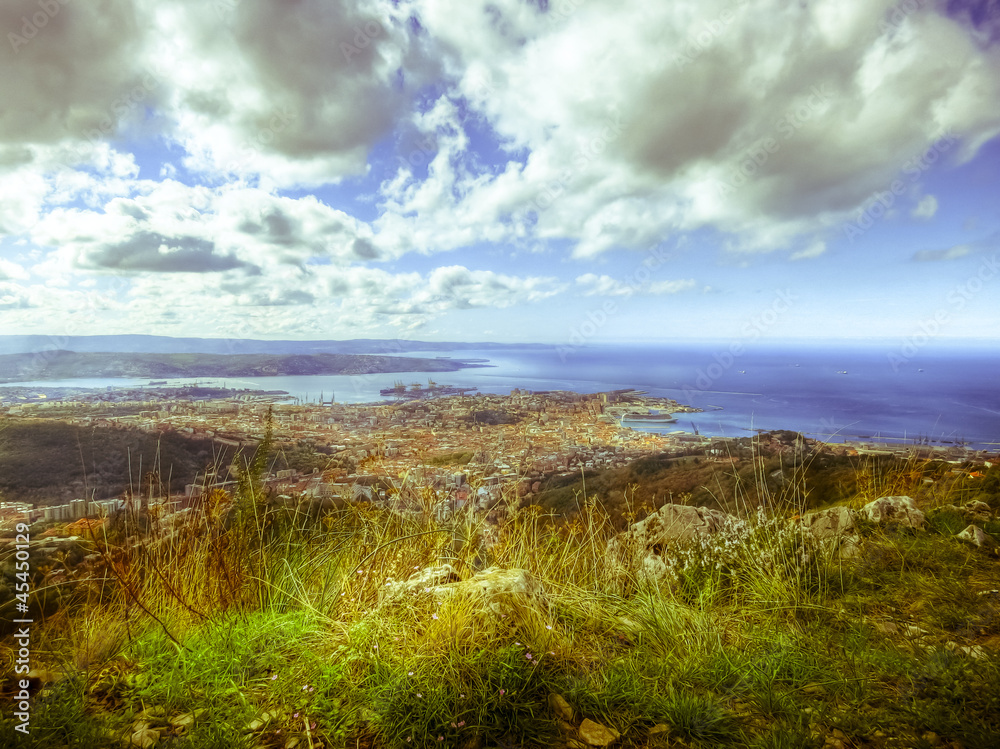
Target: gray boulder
[(423, 581), (676, 523), (975, 536), (502, 592), (899, 510), (835, 529), (831, 523), (644, 543)]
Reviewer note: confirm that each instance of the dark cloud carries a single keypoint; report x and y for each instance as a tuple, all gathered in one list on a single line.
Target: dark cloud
[(69, 71), (365, 250), (154, 252)]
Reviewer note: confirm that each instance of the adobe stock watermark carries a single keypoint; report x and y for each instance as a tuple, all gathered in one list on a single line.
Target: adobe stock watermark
[(876, 206), (562, 10), (31, 26), (897, 15), (281, 118), (81, 320), (424, 153), (753, 329), (930, 327), (364, 35), (754, 158), (224, 8), (117, 110), (599, 316), (698, 42), (586, 153)]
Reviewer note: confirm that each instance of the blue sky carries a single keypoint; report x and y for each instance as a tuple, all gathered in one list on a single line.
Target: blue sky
[(563, 172)]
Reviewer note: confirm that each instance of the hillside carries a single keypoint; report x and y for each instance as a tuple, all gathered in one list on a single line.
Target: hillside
[(59, 365), (771, 479), (51, 462), (246, 623), (27, 344)]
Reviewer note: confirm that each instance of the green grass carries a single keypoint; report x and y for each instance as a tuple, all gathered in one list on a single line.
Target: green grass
[(757, 638)]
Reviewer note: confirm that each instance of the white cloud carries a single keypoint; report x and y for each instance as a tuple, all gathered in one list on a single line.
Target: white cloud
[(768, 135), (926, 208), (814, 250), (297, 96), (951, 253), (10, 271), (604, 285)]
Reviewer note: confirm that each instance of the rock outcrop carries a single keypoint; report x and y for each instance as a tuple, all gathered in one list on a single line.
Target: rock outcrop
[(644, 543), (898, 510), (975, 536), (503, 592)]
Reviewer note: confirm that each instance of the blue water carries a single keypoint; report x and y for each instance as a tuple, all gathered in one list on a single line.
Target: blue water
[(955, 398)]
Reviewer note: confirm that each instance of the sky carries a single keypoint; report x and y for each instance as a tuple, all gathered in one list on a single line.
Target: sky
[(566, 172)]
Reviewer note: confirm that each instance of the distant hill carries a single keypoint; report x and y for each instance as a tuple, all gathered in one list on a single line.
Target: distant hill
[(45, 461), (58, 365), (155, 344)]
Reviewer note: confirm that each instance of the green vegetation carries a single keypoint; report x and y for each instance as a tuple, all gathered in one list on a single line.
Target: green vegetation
[(250, 627), (459, 458), (57, 365), (305, 456), (49, 462), (802, 482)]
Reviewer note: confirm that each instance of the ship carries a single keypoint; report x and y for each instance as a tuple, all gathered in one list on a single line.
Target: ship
[(416, 391), (663, 418), (157, 382)]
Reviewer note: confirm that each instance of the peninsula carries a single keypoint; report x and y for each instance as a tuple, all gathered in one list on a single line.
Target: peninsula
[(58, 365)]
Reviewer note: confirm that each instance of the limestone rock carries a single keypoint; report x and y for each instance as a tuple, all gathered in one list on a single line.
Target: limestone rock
[(831, 523), (678, 522), (260, 722), (595, 734), (975, 510), (145, 738), (560, 707), (424, 580), (501, 591), (646, 540), (900, 510), (975, 536), (182, 723)]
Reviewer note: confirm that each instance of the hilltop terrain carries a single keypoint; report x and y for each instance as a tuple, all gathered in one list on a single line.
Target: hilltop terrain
[(59, 365)]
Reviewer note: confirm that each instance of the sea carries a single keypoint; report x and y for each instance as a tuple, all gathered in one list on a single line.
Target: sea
[(837, 393)]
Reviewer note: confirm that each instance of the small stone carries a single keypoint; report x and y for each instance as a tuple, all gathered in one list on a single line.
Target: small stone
[(813, 689), (182, 723), (974, 535), (145, 738), (260, 722), (565, 726), (560, 707), (40, 676), (887, 628), (838, 734), (932, 738), (597, 735), (658, 729), (292, 742)]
